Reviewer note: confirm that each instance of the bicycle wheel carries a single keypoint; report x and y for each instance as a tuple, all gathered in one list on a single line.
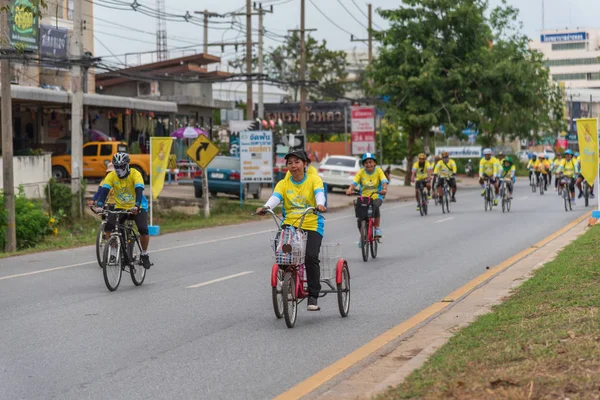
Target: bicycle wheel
[(533, 184), (112, 270), (447, 201), (566, 199), (277, 295), (373, 245), (570, 204), (290, 304), (136, 269), (485, 200), (541, 183), (420, 196), (100, 244), (425, 206), (364, 237), (343, 292), (508, 203)]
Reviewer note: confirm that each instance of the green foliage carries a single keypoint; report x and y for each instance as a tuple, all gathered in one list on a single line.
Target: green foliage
[(394, 143), (59, 196), (31, 223), (135, 148)]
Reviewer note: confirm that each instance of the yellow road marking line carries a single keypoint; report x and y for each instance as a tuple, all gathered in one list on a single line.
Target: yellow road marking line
[(310, 384)]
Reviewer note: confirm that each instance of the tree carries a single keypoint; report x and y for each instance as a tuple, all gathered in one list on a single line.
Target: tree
[(426, 64), (394, 143), (326, 68)]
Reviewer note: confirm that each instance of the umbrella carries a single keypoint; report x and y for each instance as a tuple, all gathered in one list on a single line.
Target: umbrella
[(97, 136), (188, 133)]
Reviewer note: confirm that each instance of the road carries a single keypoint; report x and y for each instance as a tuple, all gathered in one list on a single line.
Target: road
[(65, 336)]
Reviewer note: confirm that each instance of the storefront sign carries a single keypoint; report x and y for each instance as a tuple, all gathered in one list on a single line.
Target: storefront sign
[(53, 41), (256, 156), (24, 25), (322, 117), (460, 152), (363, 130), (564, 37)]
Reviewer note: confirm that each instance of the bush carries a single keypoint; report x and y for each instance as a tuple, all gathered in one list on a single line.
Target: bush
[(59, 197), (31, 222)]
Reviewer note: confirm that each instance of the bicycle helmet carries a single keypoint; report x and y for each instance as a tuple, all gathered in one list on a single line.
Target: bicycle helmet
[(576, 154), (445, 154), (367, 156), (121, 164), (508, 160), (534, 156), (569, 152), (422, 157), (542, 156), (487, 152)]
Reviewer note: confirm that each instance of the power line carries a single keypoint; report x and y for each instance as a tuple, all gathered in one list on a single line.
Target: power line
[(329, 19), (352, 15), (366, 16), (108, 49)]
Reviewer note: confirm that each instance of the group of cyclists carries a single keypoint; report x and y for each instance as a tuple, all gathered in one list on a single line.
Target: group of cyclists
[(568, 167)]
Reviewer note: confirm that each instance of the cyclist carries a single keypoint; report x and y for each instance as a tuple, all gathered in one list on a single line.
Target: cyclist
[(555, 165), (128, 186), (446, 170), (297, 192), (310, 170), (436, 160), (580, 179), (488, 169), (421, 170), (372, 182), (541, 169), (110, 201), (500, 157), (569, 169), (508, 171), (531, 165)]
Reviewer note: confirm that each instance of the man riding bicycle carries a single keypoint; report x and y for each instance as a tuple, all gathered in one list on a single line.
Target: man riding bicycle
[(128, 186), (436, 160), (421, 175), (488, 169), (569, 169), (299, 191), (556, 163), (445, 170), (508, 172), (372, 182), (542, 166), (531, 165)]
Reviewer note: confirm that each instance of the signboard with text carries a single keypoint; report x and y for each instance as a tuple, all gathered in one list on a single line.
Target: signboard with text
[(325, 117), (363, 130), (24, 25), (564, 37), (460, 151), (256, 156)]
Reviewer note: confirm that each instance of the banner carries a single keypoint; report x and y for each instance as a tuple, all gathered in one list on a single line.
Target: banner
[(587, 136), (459, 151), (363, 130), (325, 117), (24, 25), (256, 156), (161, 149)]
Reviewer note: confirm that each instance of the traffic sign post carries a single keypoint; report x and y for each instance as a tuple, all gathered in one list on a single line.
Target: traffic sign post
[(202, 151)]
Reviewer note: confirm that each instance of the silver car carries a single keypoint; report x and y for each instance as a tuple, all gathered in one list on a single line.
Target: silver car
[(339, 171)]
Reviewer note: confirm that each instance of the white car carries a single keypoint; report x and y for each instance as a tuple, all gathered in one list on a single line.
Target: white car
[(339, 171)]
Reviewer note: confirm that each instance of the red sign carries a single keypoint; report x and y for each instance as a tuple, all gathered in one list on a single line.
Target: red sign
[(363, 130), (564, 143)]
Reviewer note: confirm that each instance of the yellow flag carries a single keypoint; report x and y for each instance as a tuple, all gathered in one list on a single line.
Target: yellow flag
[(587, 136), (161, 149)]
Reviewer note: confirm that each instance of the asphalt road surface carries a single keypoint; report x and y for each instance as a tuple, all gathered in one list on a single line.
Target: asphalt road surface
[(65, 336)]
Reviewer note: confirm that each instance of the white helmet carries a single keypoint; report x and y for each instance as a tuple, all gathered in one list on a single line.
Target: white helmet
[(487, 151)]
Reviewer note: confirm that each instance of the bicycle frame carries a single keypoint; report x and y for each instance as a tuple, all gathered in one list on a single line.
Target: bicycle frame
[(124, 231)]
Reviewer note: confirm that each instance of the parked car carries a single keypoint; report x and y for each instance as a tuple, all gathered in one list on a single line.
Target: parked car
[(224, 177), (338, 171)]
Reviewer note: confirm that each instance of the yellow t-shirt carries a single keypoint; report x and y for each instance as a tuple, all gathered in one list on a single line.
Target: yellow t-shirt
[(445, 170), (489, 167), (310, 171), (297, 197), (508, 173), (124, 189), (568, 168), (111, 194), (542, 166), (421, 173), (370, 183)]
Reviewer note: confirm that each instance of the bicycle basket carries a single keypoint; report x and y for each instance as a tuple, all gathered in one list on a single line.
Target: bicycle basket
[(289, 246), (363, 208), (328, 257)]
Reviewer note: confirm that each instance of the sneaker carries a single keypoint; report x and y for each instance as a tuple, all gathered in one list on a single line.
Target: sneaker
[(592, 196), (580, 195), (313, 304), (555, 189), (418, 207), (495, 202), (146, 261), (378, 232), (453, 199), (572, 202), (483, 193), (360, 243)]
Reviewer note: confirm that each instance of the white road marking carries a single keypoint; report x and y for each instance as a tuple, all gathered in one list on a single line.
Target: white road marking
[(443, 220), (219, 279), (46, 270)]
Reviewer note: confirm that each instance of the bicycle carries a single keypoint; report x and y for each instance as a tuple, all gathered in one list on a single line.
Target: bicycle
[(364, 210), (101, 239), (541, 182), (122, 252), (445, 200), (423, 200), (488, 197), (505, 195), (533, 181), (564, 188), (288, 274)]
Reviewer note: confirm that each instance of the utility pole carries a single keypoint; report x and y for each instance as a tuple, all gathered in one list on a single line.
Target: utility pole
[(77, 111), (249, 101), (370, 33), (207, 14), (7, 137), (261, 13)]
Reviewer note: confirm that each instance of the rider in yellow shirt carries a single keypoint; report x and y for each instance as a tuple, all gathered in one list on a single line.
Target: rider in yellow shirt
[(569, 169), (558, 160), (542, 166), (421, 176), (489, 169), (445, 170)]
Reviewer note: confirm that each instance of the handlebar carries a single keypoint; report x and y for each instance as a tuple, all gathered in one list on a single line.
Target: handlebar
[(278, 220), (108, 212)]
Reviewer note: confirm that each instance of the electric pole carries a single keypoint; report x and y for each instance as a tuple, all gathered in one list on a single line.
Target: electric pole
[(370, 33), (261, 13), (7, 136), (302, 73), (249, 101), (206, 15), (77, 111)]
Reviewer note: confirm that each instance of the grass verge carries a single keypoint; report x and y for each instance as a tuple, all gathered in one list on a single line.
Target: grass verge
[(543, 342), (83, 232)]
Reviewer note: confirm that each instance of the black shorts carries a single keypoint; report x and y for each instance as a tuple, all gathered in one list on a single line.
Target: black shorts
[(451, 182), (376, 213), (141, 221), (419, 184)]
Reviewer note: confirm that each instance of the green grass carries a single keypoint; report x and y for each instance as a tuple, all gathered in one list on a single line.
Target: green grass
[(83, 232), (541, 343)]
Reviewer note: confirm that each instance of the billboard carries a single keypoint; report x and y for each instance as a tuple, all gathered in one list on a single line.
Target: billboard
[(24, 25), (564, 37), (256, 156), (363, 129), (321, 117)]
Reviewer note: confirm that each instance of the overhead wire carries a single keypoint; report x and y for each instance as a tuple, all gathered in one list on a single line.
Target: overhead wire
[(366, 16), (329, 19), (352, 15)]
